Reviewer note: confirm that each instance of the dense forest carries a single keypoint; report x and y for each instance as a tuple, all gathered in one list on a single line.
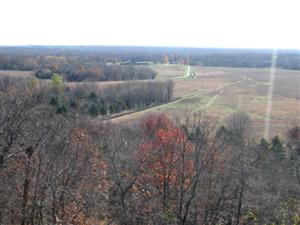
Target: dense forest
[(72, 61), (63, 168)]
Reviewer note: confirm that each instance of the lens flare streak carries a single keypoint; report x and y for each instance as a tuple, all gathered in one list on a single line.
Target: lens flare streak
[(270, 96)]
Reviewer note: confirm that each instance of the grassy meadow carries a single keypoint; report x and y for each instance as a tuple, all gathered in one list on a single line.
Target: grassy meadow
[(221, 91)]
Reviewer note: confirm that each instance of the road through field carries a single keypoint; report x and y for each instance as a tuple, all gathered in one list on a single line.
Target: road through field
[(211, 101), (187, 74)]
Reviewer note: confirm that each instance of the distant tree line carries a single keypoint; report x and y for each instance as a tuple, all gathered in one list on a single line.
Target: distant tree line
[(73, 68), (69, 59), (249, 59), (94, 72)]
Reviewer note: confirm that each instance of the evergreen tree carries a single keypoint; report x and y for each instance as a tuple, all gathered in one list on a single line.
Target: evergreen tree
[(53, 101), (102, 110), (277, 146), (264, 143), (61, 110), (93, 111), (93, 97), (73, 104)]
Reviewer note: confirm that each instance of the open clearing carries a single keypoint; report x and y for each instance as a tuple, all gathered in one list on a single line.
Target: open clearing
[(14, 73), (222, 91)]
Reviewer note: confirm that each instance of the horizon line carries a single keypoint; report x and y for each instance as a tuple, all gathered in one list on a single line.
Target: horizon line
[(146, 46)]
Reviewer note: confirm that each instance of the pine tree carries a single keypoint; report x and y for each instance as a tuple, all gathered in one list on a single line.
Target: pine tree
[(264, 143), (93, 111), (61, 110), (53, 101), (93, 97), (277, 146)]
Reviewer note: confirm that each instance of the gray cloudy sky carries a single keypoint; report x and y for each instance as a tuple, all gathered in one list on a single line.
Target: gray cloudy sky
[(193, 23)]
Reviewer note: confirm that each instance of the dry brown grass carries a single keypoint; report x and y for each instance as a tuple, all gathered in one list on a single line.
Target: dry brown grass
[(14, 73), (249, 95)]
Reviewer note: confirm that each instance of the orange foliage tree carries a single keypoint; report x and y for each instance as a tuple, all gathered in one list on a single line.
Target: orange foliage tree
[(168, 166)]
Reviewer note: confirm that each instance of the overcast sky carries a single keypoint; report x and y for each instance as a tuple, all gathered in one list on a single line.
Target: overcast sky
[(189, 23)]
